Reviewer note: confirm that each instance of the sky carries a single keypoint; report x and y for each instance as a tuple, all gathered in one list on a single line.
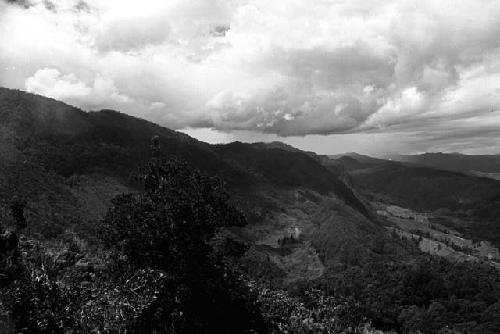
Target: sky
[(376, 77)]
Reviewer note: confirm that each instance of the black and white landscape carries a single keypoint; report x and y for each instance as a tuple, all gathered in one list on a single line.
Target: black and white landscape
[(248, 166)]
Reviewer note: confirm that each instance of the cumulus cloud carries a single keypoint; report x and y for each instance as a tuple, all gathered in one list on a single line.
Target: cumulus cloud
[(288, 69), (50, 82)]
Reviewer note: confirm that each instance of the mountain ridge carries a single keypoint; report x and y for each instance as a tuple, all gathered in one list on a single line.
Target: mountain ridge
[(86, 158)]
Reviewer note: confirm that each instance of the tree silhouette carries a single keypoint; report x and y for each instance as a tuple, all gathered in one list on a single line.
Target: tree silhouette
[(168, 227)]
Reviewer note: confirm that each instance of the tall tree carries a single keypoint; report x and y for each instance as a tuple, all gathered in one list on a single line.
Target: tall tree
[(168, 227)]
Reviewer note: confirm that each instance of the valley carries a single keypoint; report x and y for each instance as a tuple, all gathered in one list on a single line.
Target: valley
[(436, 239)]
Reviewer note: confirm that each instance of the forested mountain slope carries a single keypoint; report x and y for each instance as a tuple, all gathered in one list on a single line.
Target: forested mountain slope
[(68, 164)]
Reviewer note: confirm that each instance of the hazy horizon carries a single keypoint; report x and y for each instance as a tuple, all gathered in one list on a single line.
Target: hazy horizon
[(372, 144)]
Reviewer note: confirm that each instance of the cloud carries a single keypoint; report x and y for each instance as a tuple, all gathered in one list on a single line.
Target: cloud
[(102, 93), (326, 67), (50, 82)]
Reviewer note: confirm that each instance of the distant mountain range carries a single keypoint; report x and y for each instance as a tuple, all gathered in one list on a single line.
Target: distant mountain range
[(482, 165), (365, 159)]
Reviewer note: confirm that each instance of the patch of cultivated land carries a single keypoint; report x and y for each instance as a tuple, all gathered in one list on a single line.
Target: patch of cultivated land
[(289, 236), (284, 236), (435, 238)]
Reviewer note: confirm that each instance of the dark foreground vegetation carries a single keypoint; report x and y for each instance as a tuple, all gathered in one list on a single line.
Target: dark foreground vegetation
[(156, 272), (158, 265)]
